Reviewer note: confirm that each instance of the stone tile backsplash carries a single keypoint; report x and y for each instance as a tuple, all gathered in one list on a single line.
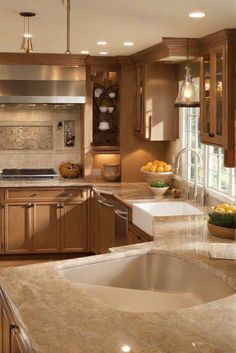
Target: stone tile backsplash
[(34, 137)]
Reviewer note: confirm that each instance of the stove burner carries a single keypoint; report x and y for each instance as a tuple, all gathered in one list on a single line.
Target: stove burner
[(29, 173)]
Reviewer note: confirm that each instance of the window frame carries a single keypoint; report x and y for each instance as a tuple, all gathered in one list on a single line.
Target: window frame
[(184, 171)]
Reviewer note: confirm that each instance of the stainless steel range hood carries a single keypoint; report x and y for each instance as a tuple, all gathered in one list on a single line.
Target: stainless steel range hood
[(35, 84)]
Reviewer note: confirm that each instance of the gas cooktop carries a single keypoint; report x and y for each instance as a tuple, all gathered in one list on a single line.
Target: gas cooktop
[(28, 173)]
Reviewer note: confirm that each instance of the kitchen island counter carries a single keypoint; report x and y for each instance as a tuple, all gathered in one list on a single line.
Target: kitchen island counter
[(58, 316)]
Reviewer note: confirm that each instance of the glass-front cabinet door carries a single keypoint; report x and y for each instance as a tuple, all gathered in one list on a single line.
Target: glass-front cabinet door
[(213, 96)]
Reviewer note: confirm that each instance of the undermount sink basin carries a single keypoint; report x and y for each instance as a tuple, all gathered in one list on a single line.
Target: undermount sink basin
[(148, 283), (144, 213)]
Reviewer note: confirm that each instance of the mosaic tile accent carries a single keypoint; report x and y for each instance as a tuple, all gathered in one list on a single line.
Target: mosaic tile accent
[(26, 137)]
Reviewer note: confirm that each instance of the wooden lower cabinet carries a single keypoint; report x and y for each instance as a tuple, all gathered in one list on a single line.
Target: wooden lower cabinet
[(103, 224), (74, 227), (18, 228), (106, 226), (46, 228), (136, 235), (11, 340)]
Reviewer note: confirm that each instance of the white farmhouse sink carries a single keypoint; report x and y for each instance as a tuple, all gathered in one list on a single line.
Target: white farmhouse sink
[(147, 283), (144, 213)]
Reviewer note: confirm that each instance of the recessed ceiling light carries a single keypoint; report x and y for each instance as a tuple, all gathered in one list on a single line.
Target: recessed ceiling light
[(103, 53), (101, 42), (197, 14), (128, 44), (84, 52)]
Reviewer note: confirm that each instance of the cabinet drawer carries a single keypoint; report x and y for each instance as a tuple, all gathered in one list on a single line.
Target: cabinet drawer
[(18, 194)]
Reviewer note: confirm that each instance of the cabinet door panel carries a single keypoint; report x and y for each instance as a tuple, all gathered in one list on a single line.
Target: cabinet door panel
[(106, 228), (17, 228), (74, 223), (6, 346), (46, 228)]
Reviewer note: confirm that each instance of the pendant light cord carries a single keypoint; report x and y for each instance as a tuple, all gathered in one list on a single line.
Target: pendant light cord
[(68, 8)]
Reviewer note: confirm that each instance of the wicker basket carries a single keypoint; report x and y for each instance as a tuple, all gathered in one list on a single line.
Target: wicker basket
[(70, 170)]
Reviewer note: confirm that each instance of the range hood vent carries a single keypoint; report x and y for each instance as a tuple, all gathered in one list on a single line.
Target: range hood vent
[(35, 84)]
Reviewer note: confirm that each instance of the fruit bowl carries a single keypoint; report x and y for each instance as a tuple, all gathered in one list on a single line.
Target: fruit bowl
[(154, 177), (70, 170), (221, 232), (222, 221)]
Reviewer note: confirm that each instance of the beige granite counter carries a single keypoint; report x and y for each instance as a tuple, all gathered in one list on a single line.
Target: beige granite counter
[(59, 317)]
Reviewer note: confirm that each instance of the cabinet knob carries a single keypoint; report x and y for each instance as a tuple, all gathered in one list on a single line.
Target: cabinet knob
[(67, 195), (211, 134)]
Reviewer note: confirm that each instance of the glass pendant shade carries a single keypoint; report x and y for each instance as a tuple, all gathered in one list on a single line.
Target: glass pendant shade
[(187, 96), (26, 44)]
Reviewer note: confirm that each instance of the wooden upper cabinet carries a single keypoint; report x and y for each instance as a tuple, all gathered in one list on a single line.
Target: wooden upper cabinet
[(74, 226), (155, 90), (217, 115)]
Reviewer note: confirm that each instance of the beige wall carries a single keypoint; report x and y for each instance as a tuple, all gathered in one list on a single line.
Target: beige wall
[(41, 116)]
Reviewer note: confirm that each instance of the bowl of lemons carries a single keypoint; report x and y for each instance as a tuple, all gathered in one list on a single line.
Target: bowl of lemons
[(222, 221), (156, 171)]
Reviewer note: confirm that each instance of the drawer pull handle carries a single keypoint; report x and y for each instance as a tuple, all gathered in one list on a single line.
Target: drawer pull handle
[(211, 134), (105, 203), (67, 195), (60, 206), (34, 195), (29, 205)]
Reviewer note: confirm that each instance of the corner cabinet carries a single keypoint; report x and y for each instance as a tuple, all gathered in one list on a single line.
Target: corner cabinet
[(155, 90), (106, 109), (218, 92)]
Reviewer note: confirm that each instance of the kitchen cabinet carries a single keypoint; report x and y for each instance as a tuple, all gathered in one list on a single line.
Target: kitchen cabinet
[(74, 226), (45, 220), (46, 226), (109, 223), (106, 225), (106, 109), (11, 340), (136, 235), (218, 91), (155, 87), (18, 227)]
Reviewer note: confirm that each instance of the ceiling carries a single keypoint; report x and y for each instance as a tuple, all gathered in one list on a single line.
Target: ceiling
[(144, 22)]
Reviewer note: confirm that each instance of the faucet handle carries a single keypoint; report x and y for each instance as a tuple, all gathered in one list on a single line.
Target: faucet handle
[(186, 191), (202, 197)]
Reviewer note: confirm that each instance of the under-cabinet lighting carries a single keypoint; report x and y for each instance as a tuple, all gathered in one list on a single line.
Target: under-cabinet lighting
[(85, 52), (125, 349), (101, 42), (197, 14), (128, 44), (103, 53)]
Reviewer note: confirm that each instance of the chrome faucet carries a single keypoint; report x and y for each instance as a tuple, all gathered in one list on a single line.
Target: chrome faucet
[(199, 161)]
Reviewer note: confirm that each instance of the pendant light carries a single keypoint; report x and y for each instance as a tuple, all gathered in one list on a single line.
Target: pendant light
[(187, 96), (27, 45), (68, 8)]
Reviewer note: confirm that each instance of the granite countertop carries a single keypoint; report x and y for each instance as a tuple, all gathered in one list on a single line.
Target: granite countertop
[(60, 317)]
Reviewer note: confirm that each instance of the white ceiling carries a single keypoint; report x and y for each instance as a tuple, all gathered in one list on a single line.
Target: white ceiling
[(144, 22)]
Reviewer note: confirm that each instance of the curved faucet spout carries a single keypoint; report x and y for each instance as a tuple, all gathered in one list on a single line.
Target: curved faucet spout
[(199, 163)]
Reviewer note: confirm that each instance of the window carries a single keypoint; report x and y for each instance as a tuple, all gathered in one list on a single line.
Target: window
[(214, 176)]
